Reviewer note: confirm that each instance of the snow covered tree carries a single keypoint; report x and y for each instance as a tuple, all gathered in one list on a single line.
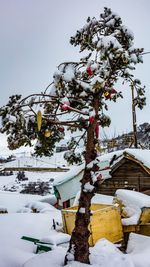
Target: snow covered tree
[(76, 101)]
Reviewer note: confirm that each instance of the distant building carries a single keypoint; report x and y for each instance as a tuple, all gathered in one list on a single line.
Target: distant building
[(124, 169)]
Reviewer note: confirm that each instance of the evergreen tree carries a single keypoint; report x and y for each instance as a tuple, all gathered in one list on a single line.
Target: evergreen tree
[(76, 101)]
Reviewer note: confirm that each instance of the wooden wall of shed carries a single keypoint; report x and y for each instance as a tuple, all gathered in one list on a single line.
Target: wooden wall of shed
[(128, 175)]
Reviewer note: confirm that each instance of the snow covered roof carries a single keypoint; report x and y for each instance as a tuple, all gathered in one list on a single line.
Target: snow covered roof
[(71, 174), (140, 156)]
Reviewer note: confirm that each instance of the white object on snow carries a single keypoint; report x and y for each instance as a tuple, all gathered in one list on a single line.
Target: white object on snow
[(56, 238)]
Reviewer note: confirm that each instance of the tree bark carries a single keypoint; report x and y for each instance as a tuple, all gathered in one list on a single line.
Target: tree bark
[(79, 246)]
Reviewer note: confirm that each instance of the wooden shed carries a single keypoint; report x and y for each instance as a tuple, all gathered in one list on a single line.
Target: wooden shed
[(129, 170)]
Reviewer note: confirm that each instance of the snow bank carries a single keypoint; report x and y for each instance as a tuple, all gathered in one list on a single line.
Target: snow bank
[(134, 202), (14, 251), (133, 213), (103, 254), (38, 206), (132, 197), (106, 254), (56, 238), (139, 249), (15, 202)]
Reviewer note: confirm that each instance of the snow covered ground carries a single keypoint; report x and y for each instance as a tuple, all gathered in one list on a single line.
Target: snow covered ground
[(20, 221), (14, 202), (57, 160), (15, 252)]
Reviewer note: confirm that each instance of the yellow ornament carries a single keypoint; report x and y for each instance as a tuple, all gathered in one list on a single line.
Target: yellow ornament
[(106, 94), (98, 148), (39, 120), (47, 133)]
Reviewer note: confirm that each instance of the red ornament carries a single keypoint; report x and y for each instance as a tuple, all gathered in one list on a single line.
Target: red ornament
[(61, 129), (97, 130), (65, 107), (91, 119), (89, 71)]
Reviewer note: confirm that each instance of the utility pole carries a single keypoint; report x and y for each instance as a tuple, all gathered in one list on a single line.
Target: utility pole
[(134, 117)]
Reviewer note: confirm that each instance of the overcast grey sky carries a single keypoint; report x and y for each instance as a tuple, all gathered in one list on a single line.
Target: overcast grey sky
[(34, 39)]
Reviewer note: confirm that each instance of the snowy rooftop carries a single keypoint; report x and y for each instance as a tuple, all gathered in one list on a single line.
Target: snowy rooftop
[(141, 155), (74, 170)]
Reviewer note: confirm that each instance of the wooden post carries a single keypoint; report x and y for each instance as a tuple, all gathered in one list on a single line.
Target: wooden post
[(134, 118)]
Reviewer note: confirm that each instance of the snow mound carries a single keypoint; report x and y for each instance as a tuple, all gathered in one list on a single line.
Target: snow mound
[(132, 197), (139, 249), (56, 238), (133, 202)]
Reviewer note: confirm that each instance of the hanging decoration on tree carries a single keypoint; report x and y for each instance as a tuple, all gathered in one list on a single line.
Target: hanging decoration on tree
[(65, 106), (98, 148), (47, 133), (39, 120), (97, 130), (89, 71), (108, 94), (92, 117), (61, 129)]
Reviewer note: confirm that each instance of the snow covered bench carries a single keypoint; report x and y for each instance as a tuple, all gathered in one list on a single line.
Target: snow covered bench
[(49, 242)]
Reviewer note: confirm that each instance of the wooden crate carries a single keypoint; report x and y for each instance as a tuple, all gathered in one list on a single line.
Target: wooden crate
[(105, 222)]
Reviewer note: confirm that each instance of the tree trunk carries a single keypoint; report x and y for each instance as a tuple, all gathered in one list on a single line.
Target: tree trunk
[(79, 246)]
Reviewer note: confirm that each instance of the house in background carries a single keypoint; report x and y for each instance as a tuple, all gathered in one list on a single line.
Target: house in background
[(130, 169), (68, 185), (124, 169)]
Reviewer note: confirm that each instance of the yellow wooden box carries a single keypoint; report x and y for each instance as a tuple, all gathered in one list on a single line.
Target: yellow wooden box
[(105, 222), (143, 226)]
